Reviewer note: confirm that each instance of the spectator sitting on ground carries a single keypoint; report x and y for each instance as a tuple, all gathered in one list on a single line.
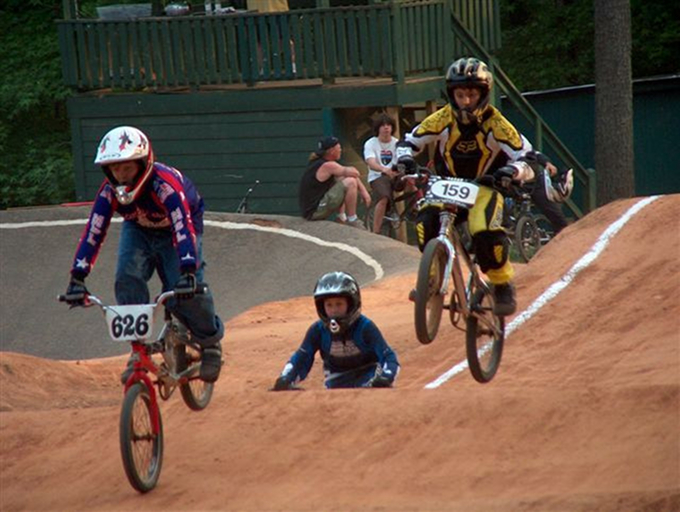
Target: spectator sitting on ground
[(327, 187)]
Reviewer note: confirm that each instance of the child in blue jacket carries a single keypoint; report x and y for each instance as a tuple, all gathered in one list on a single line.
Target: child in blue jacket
[(352, 348)]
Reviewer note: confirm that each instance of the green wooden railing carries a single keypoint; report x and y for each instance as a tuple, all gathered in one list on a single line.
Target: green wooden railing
[(392, 39)]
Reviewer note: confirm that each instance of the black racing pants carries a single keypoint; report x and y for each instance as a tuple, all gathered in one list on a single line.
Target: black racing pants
[(549, 208)]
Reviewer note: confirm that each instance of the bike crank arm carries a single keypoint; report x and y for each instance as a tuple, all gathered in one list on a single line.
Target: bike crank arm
[(489, 326)]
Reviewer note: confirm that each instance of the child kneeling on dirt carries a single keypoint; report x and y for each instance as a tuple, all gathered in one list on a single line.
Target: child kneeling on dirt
[(353, 350)]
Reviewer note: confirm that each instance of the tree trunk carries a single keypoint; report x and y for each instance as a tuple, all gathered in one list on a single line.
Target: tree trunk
[(613, 101)]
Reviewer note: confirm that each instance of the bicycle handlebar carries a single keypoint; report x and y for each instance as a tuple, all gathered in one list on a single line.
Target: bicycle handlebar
[(91, 299)]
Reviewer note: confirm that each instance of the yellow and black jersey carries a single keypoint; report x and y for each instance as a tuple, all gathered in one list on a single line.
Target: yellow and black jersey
[(469, 151)]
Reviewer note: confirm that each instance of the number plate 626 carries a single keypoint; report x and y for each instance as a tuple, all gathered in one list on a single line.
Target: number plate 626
[(457, 192), (128, 323)]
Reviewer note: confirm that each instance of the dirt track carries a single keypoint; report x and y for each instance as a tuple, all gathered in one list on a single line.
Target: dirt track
[(583, 415)]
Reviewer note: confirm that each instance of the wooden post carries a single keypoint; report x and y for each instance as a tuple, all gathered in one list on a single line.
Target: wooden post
[(69, 9), (402, 233), (430, 108), (397, 43)]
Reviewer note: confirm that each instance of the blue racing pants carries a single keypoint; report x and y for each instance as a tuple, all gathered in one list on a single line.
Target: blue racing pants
[(141, 252)]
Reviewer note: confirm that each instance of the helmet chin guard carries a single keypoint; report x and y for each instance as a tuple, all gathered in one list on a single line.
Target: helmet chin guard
[(123, 195), (334, 326)]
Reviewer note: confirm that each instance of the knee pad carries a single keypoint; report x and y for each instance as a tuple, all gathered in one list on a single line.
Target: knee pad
[(427, 226), (492, 249)]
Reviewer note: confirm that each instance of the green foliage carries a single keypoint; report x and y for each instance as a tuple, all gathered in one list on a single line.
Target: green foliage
[(550, 43), (547, 43), (36, 166), (656, 37)]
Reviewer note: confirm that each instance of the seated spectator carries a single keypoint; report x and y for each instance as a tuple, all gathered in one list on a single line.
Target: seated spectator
[(328, 188), (380, 155)]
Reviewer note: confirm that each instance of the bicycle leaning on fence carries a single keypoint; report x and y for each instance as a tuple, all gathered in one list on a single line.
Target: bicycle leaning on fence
[(243, 206), (450, 255), (141, 427)]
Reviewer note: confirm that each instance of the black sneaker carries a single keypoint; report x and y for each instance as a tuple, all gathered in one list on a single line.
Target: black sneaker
[(211, 363), (505, 303)]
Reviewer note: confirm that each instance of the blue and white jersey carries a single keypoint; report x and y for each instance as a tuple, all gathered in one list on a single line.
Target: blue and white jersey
[(363, 347), (169, 201)]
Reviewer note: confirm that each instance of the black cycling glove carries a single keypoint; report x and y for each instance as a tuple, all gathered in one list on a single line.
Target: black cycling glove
[(76, 291), (185, 288)]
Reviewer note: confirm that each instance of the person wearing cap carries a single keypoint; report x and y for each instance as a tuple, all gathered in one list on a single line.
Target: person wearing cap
[(328, 187), (162, 232)]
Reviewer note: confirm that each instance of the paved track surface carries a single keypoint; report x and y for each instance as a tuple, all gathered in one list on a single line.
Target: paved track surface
[(244, 268)]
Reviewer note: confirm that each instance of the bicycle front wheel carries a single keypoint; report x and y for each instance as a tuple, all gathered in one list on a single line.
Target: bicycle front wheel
[(527, 237), (546, 231), (429, 299), (196, 393), (141, 447), (484, 343)]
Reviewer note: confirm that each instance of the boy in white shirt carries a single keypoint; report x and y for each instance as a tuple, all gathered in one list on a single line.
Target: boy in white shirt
[(379, 154)]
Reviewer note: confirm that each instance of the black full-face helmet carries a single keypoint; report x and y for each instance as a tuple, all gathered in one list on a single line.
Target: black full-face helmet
[(338, 284), (469, 72)]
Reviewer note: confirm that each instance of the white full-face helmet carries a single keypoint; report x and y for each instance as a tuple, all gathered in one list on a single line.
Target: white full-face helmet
[(123, 144), (561, 189)]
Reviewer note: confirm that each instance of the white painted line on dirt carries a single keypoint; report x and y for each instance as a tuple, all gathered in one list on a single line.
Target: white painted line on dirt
[(365, 258), (554, 289)]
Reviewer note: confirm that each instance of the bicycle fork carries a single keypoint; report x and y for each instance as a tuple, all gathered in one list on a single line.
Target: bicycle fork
[(445, 222), (141, 375)]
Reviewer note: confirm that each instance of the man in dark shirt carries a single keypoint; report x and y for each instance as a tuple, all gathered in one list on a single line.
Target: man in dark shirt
[(328, 187)]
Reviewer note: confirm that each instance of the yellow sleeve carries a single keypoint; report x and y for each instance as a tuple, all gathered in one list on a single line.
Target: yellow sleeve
[(502, 130), (430, 128)]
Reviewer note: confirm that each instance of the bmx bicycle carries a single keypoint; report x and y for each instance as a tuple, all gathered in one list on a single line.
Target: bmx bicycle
[(528, 231), (402, 208), (471, 301), (141, 427), (243, 206)]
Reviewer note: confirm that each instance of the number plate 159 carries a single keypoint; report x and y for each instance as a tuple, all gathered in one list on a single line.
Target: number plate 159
[(459, 192), (128, 323)]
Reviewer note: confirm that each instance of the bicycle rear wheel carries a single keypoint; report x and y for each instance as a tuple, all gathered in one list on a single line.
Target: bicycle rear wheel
[(141, 448), (527, 237), (429, 301), (387, 228), (483, 345), (196, 393)]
